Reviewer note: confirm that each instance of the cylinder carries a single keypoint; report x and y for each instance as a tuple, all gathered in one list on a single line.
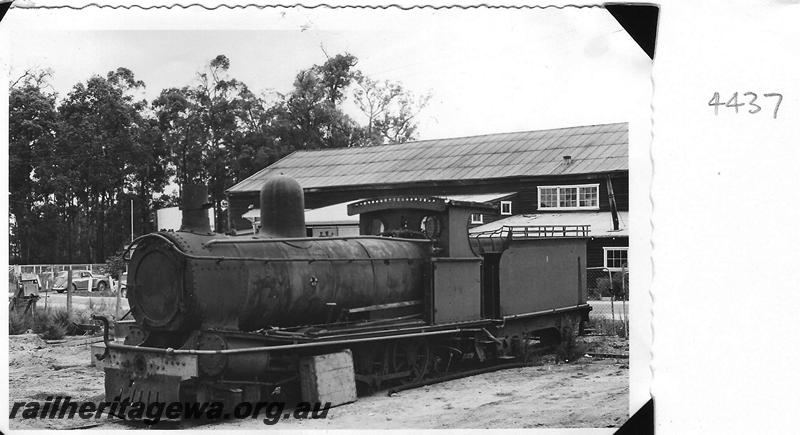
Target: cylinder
[(282, 208)]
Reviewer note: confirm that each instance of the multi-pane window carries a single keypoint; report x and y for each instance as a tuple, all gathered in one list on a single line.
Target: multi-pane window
[(476, 218), (548, 197), (578, 197), (505, 208), (587, 196), (568, 197), (615, 258)]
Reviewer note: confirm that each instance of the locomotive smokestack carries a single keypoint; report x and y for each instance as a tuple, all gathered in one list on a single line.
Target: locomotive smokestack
[(282, 208), (194, 206)]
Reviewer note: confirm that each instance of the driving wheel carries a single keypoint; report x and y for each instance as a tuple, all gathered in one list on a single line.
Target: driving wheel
[(413, 356)]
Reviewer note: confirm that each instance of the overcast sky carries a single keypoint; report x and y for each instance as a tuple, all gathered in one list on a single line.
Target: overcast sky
[(488, 71)]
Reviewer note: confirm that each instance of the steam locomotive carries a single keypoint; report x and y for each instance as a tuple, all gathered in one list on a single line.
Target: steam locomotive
[(229, 317)]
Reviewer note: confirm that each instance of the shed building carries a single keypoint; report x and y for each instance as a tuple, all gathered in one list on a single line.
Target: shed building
[(575, 174)]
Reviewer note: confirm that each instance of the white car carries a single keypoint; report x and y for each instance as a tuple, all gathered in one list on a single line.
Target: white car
[(123, 284), (81, 280)]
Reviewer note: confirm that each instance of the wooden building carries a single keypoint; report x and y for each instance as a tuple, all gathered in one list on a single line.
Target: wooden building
[(573, 175)]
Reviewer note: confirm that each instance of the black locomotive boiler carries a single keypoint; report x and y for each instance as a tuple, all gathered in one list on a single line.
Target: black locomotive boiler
[(229, 317)]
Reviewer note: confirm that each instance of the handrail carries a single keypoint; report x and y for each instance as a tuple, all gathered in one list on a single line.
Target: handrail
[(306, 239), (172, 245), (534, 231), (170, 351)]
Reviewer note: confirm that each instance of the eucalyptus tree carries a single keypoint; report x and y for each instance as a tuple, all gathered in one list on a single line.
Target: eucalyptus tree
[(33, 125), (108, 152)]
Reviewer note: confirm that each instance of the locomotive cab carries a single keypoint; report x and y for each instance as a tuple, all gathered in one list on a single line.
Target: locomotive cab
[(455, 292)]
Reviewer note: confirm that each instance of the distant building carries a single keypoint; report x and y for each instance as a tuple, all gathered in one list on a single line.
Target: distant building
[(565, 176), (170, 218), (329, 221)]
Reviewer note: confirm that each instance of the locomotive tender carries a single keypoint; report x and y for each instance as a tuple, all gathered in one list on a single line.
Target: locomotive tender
[(228, 318)]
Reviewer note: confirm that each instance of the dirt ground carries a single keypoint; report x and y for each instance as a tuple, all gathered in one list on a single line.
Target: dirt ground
[(587, 392), (38, 370)]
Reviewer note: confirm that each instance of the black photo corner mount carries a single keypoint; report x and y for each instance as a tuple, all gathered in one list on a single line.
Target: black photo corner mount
[(640, 21), (640, 423), (4, 8)]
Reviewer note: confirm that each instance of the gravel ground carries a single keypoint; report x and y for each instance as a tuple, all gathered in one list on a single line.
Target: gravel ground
[(588, 392), (38, 370)]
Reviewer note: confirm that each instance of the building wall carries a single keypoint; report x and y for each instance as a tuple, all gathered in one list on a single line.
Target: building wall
[(493, 216), (332, 230), (170, 219), (526, 200), (594, 249), (239, 205)]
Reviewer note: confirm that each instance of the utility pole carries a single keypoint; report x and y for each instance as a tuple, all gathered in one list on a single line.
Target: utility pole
[(131, 220), (69, 292)]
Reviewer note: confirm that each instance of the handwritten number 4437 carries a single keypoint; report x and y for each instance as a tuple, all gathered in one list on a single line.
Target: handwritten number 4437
[(752, 106)]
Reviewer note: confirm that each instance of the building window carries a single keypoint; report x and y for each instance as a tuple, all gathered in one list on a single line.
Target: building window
[(325, 232), (576, 197), (376, 227), (476, 218), (505, 208), (615, 258)]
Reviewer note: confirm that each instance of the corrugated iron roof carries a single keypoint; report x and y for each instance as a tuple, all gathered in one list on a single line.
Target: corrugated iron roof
[(594, 148), (601, 224)]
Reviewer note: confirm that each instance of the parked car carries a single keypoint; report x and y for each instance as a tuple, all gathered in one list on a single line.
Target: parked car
[(80, 281), (29, 284)]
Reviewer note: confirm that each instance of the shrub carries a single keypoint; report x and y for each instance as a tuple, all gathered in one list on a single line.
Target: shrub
[(53, 331), (594, 294), (100, 308), (115, 266), (604, 286), (605, 326), (61, 317), (84, 317), (52, 325), (55, 323), (568, 348), (612, 287), (40, 321), (18, 323)]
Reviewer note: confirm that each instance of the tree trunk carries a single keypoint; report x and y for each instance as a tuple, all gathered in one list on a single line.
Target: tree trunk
[(144, 207), (101, 235)]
